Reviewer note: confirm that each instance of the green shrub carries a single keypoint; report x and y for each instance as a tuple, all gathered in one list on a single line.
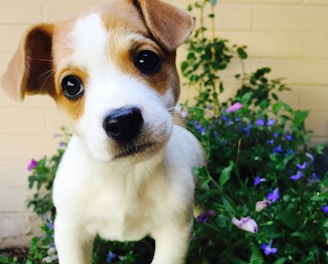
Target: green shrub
[(260, 165)]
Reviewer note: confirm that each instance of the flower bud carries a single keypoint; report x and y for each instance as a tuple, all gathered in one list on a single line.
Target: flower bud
[(246, 223)]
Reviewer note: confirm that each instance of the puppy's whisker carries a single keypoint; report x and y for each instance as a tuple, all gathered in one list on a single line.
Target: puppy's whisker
[(35, 59), (206, 110), (49, 74)]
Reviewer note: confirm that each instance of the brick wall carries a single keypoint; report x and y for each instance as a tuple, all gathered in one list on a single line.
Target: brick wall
[(290, 36)]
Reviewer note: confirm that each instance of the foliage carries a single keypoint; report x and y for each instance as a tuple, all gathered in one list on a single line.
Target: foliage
[(258, 200), (42, 176), (260, 165)]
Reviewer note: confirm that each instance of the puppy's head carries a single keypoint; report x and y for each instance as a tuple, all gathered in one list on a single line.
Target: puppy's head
[(111, 71)]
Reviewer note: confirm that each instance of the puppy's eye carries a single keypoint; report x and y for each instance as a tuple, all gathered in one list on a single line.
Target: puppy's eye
[(72, 87), (147, 62)]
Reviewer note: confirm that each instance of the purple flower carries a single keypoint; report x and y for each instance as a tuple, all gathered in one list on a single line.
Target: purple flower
[(278, 149), (57, 135), (297, 176), (302, 166), (260, 205), (258, 180), (310, 156), (110, 257), (288, 137), (289, 152), (270, 122), (271, 141), (204, 217), (273, 196), (32, 165), (259, 122), (184, 114), (276, 134), (324, 208), (315, 177), (236, 106), (200, 129), (49, 221), (246, 224), (268, 249), (226, 119), (247, 129)]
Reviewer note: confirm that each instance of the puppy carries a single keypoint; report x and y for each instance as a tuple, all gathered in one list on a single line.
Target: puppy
[(127, 171)]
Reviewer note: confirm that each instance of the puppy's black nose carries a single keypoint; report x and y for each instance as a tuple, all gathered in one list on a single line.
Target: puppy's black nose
[(123, 124)]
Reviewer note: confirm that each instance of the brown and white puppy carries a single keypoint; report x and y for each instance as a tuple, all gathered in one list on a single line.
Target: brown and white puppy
[(127, 171)]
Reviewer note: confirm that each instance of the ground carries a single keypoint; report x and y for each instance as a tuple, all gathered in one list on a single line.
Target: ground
[(20, 253)]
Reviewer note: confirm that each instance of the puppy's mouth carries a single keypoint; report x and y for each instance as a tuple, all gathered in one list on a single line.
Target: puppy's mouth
[(134, 149), (130, 135)]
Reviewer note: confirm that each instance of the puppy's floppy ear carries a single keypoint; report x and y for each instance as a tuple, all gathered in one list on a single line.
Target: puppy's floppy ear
[(169, 25), (30, 70)]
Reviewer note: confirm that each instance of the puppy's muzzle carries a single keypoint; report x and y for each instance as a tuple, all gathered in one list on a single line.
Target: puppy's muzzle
[(123, 124)]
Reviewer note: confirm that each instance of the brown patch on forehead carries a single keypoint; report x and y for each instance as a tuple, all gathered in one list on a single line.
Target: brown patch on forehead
[(124, 50), (73, 108), (128, 35)]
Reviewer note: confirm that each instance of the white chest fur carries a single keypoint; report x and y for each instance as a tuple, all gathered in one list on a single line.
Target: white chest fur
[(126, 199)]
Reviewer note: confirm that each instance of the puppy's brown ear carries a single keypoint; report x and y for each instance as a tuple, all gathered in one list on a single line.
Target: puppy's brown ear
[(169, 25), (30, 70)]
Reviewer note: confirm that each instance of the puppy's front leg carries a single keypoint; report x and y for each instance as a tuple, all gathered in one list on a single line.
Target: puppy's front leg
[(74, 245), (171, 244)]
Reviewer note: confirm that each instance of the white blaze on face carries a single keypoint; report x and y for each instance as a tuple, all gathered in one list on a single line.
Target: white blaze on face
[(109, 87), (90, 38)]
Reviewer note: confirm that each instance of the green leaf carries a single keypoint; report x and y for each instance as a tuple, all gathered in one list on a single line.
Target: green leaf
[(256, 257), (228, 205), (242, 54), (287, 218), (238, 261), (184, 66), (280, 261), (300, 116), (225, 174)]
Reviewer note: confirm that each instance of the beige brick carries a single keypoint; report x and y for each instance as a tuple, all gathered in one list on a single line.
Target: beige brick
[(26, 147), (6, 102), (233, 16), (316, 45), (13, 173), (22, 121), (316, 140), (7, 229), (36, 101), (40, 101), (267, 44), (318, 122), (321, 2), (314, 98), (54, 121), (290, 18), (13, 199), (20, 11), (10, 36), (53, 11), (290, 97)]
